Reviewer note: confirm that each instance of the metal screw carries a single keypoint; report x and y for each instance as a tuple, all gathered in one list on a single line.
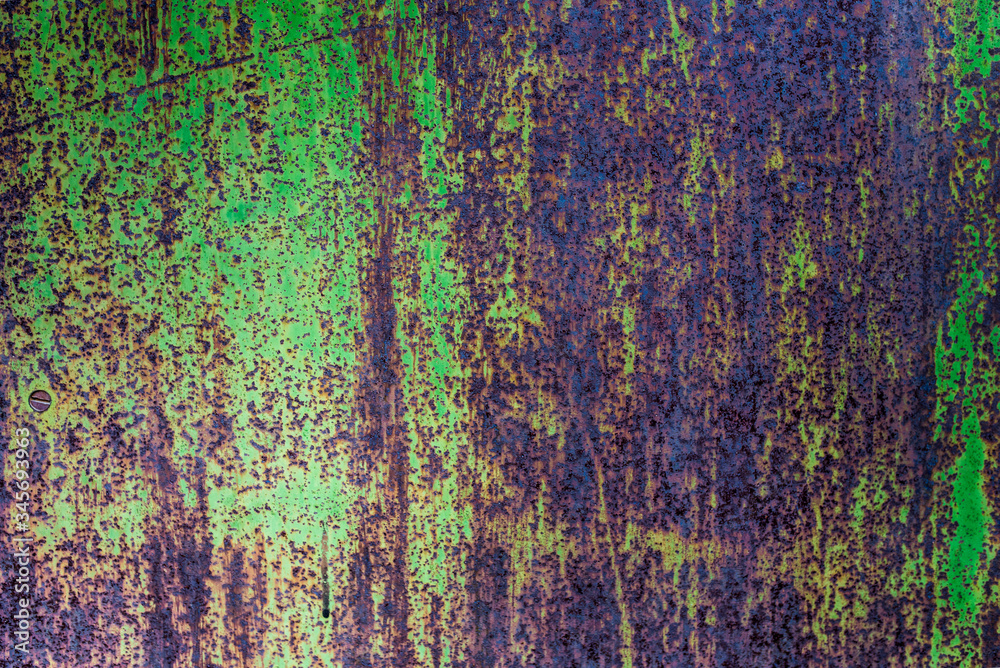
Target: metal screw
[(39, 400)]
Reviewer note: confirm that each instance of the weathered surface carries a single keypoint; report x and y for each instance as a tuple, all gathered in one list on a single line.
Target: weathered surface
[(494, 334)]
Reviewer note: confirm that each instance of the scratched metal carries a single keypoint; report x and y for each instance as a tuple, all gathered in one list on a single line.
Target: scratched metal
[(461, 333)]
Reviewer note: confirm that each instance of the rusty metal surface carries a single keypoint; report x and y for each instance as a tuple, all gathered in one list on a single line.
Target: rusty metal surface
[(577, 333)]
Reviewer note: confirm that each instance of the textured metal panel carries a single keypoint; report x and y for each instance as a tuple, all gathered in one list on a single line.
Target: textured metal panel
[(559, 333)]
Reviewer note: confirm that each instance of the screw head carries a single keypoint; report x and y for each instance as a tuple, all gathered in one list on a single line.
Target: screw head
[(39, 400)]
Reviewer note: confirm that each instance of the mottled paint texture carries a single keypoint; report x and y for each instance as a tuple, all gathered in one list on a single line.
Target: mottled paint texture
[(545, 333)]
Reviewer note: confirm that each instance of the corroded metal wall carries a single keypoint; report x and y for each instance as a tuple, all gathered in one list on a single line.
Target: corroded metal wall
[(458, 333)]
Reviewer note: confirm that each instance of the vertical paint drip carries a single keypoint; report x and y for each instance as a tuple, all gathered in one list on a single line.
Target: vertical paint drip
[(324, 573)]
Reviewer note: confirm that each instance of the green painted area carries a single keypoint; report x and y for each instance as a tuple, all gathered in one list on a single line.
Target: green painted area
[(966, 356)]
